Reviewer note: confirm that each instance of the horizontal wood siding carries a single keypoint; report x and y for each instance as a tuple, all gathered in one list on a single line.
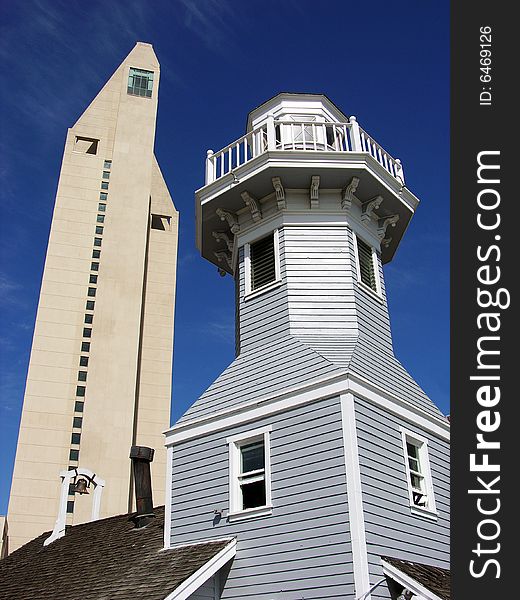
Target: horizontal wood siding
[(302, 549), (372, 313), (206, 591), (264, 318), (320, 285), (391, 528)]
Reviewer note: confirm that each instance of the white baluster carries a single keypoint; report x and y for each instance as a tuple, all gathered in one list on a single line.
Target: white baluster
[(354, 130), (271, 136), (399, 173), (210, 171)]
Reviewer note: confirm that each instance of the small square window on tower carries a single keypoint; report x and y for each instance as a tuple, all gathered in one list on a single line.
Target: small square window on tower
[(262, 262), (85, 145), (419, 478), (250, 474), (160, 222), (140, 83), (367, 265)]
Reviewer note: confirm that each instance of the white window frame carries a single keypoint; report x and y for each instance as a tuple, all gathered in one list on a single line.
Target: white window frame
[(378, 292), (247, 266), (430, 510), (235, 442)]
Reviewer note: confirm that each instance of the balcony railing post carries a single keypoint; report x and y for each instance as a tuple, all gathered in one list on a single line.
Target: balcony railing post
[(354, 135), (271, 136), (399, 173), (210, 167)]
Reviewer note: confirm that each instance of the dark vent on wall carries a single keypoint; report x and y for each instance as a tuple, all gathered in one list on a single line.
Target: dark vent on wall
[(366, 264), (263, 270)]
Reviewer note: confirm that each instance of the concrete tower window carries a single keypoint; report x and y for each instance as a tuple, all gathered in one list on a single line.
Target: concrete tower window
[(160, 222), (85, 145), (104, 185), (140, 83)]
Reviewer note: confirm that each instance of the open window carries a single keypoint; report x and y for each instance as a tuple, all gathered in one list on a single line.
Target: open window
[(419, 479), (250, 474)]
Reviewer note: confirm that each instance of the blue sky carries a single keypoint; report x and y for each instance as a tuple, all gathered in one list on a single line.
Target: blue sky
[(385, 62)]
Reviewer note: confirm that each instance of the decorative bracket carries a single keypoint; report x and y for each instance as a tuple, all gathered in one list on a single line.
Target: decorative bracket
[(230, 218), (280, 193), (252, 205), (384, 223), (314, 191), (223, 255), (368, 208), (386, 242), (348, 193), (222, 236)]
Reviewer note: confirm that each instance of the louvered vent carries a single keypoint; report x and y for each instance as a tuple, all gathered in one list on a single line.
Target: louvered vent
[(263, 270), (366, 264)]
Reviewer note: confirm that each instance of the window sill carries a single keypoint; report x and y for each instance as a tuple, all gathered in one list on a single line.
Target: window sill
[(370, 291), (262, 290), (241, 515), (424, 512)]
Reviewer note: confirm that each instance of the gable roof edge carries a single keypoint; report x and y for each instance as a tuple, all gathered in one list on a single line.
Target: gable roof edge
[(199, 578)]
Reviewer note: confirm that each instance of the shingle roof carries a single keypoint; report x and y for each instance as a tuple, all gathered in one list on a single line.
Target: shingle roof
[(435, 579), (107, 559)]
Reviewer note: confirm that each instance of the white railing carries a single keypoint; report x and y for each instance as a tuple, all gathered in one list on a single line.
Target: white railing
[(298, 136)]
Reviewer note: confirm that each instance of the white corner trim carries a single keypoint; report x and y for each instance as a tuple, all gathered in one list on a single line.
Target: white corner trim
[(193, 583), (168, 498), (409, 583), (354, 496)]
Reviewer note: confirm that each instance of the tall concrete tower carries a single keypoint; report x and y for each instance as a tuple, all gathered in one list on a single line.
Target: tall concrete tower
[(99, 377)]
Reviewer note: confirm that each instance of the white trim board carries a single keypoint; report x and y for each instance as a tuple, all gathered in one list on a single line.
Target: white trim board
[(193, 583), (414, 586), (354, 497), (168, 498), (298, 395)]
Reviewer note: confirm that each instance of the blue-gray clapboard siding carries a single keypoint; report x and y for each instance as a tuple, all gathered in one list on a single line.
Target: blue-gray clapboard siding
[(391, 528), (206, 591), (303, 548), (320, 285)]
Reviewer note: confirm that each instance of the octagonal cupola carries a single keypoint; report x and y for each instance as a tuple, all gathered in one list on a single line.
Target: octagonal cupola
[(300, 142)]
